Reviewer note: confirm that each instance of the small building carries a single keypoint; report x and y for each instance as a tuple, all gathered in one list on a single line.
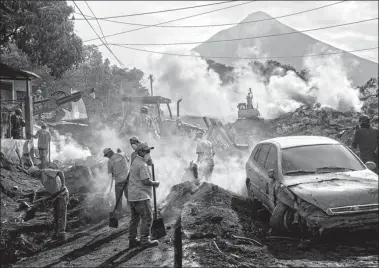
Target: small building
[(15, 92)]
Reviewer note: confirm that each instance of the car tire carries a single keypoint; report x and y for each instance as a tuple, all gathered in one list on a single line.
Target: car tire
[(277, 219)]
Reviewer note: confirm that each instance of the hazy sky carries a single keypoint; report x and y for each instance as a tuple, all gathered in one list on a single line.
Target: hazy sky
[(349, 37)]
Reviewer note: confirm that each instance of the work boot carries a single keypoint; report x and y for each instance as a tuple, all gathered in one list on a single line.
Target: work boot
[(150, 243), (134, 243)]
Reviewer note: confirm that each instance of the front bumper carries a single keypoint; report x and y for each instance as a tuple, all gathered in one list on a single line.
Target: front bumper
[(316, 218)]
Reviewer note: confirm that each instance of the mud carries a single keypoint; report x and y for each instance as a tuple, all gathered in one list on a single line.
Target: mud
[(218, 227)]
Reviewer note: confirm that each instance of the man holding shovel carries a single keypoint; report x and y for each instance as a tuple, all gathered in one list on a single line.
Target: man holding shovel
[(140, 195), (118, 167), (44, 139), (54, 182)]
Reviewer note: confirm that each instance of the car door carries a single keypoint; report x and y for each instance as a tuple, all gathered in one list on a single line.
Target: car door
[(251, 174), (258, 169), (269, 183)]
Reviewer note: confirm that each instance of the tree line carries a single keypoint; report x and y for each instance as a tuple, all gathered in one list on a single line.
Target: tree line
[(39, 36)]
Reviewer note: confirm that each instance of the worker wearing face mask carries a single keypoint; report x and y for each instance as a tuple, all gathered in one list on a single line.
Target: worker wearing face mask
[(134, 141), (140, 196)]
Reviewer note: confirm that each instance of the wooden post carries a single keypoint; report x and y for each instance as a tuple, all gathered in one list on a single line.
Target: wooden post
[(151, 84), (178, 247), (28, 110)]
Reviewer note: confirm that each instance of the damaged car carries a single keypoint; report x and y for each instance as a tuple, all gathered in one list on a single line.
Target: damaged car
[(313, 184)]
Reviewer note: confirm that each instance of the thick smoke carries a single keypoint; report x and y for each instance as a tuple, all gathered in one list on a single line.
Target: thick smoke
[(203, 95)]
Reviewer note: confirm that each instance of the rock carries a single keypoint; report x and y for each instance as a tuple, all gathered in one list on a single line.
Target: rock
[(79, 179)]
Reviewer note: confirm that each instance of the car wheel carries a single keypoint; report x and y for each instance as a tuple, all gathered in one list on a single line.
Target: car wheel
[(279, 218)]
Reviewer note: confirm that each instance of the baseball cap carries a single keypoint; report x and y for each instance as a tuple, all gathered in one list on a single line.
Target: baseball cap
[(143, 146)]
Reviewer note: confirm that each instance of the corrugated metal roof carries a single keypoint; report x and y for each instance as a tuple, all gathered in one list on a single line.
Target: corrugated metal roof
[(10, 73)]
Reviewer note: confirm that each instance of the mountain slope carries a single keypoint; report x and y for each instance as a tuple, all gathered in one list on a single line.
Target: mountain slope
[(287, 45)]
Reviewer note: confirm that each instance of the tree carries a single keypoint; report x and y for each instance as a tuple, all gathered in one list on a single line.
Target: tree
[(42, 30)]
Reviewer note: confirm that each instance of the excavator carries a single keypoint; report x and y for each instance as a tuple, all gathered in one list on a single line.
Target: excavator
[(249, 123), (52, 108)]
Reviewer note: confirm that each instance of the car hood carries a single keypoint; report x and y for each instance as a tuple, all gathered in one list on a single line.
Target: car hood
[(340, 189)]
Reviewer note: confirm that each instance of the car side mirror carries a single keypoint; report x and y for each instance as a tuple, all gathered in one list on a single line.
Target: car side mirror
[(370, 165), (271, 174)]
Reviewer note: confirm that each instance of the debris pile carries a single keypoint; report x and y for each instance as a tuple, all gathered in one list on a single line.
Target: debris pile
[(18, 238)]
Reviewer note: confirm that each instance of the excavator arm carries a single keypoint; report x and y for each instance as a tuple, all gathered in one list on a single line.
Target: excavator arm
[(54, 103)]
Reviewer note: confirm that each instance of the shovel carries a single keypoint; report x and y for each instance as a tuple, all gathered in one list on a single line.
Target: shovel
[(158, 229), (113, 220)]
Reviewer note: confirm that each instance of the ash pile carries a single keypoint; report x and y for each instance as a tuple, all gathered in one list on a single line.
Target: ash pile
[(21, 238), (325, 121)]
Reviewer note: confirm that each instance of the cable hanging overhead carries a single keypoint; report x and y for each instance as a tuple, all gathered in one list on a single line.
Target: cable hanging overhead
[(160, 11), (247, 58), (219, 25), (122, 65), (249, 38), (183, 18)]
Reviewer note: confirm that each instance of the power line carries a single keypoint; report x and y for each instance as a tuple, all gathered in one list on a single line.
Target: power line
[(98, 23), (218, 25), (183, 18), (122, 65), (255, 37), (160, 11), (239, 58)]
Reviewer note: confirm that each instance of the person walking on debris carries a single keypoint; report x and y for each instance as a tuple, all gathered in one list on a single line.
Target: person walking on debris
[(17, 123), (366, 139), (54, 182), (44, 140), (140, 195), (118, 167), (205, 153), (144, 123)]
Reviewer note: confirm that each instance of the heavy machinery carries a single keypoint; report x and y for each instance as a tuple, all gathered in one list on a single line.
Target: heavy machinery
[(166, 126), (52, 108), (247, 110), (249, 124)]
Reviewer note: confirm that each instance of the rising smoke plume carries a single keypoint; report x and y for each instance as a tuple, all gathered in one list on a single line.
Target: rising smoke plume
[(203, 95)]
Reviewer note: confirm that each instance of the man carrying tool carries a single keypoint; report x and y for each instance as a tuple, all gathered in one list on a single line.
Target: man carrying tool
[(140, 195), (205, 153), (118, 167), (54, 182), (366, 138), (17, 123), (44, 139)]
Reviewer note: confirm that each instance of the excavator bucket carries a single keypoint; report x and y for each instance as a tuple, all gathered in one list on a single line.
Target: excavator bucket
[(221, 138)]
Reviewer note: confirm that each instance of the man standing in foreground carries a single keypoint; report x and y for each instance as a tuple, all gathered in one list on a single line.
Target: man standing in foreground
[(118, 167), (44, 139), (54, 182), (366, 138), (205, 153), (140, 195)]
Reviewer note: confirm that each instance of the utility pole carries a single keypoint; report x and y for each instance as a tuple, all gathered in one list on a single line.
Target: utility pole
[(151, 84)]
